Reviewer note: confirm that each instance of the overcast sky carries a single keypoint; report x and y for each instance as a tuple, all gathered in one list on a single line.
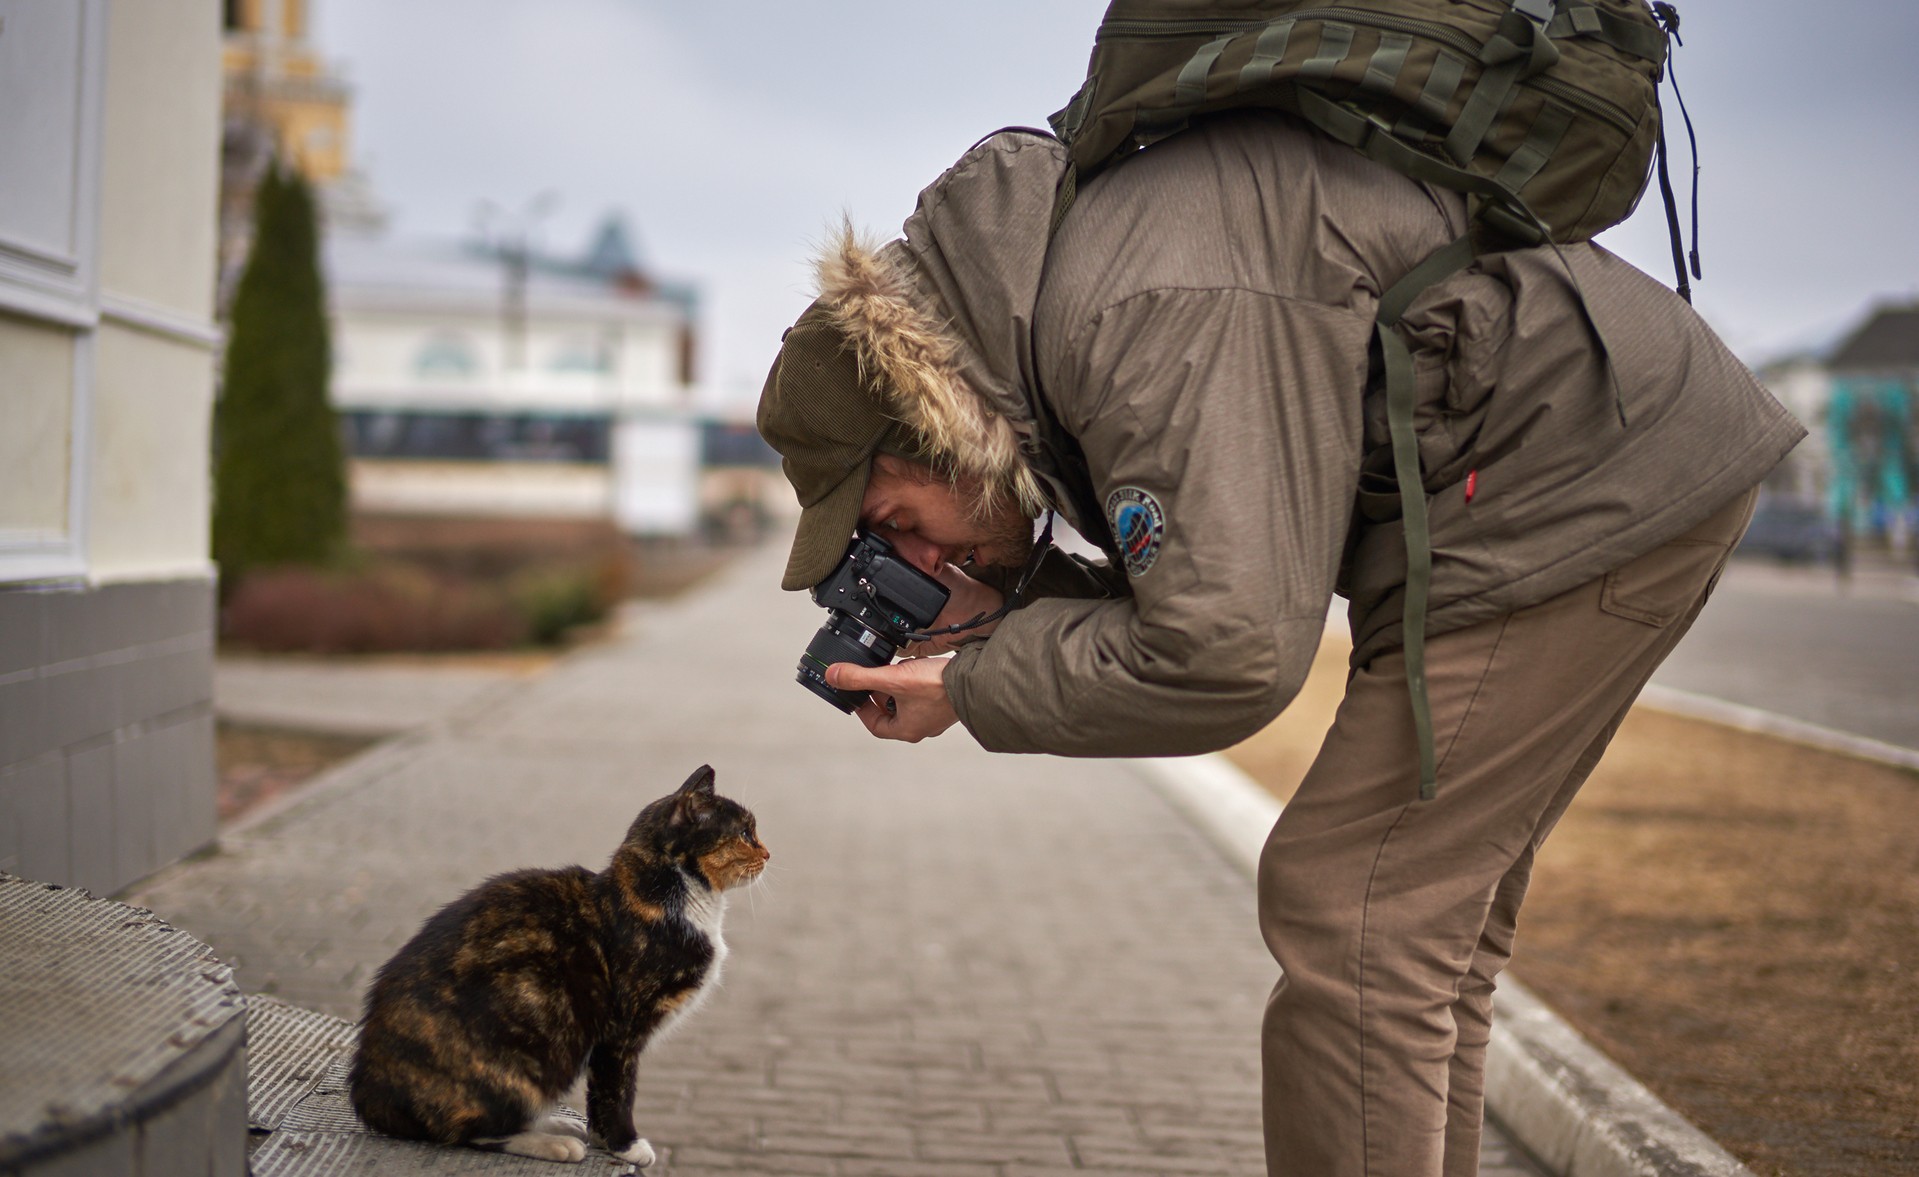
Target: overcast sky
[(731, 134)]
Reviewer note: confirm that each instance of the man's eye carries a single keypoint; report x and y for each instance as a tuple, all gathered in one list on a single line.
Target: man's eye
[(891, 525)]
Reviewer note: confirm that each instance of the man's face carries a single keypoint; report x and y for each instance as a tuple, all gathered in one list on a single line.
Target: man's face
[(932, 522)]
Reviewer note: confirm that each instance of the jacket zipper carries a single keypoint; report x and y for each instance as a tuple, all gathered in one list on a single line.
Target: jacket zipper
[(1584, 100)]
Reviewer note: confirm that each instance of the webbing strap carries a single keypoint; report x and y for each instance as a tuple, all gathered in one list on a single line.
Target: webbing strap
[(1482, 107), (1400, 402), (1189, 91), (1189, 88), (1268, 51), (1519, 48), (1624, 35), (1374, 140), (1542, 139), (1448, 70), (1382, 69), (1335, 43), (1681, 284)]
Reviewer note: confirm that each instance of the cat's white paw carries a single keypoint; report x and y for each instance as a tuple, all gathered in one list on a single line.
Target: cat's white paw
[(542, 1146), (639, 1152), (558, 1125)]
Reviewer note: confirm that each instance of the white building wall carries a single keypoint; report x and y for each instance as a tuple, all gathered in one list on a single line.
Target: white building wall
[(377, 356), (109, 146)]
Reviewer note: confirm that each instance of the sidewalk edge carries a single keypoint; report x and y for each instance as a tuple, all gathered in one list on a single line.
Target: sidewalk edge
[(1576, 1111), (1752, 719)]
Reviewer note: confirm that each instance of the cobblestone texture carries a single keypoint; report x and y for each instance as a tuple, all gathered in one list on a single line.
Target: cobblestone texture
[(958, 965)]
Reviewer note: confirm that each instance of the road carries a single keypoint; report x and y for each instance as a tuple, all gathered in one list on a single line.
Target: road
[(1797, 643)]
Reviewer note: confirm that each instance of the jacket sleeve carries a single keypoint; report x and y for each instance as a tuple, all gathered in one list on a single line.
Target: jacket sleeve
[(1234, 414)]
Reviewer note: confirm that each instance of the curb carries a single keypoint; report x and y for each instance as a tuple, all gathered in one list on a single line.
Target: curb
[(1751, 719), (1576, 1111)]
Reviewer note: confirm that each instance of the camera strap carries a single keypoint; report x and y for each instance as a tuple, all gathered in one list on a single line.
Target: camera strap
[(1014, 599)]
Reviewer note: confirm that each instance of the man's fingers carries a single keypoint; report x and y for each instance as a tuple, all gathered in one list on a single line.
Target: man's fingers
[(851, 676)]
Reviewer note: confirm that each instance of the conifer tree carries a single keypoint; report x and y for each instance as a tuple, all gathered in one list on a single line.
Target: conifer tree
[(279, 481)]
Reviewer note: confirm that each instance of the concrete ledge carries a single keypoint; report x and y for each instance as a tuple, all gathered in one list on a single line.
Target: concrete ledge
[(1576, 1111), (1572, 1108), (1752, 719)]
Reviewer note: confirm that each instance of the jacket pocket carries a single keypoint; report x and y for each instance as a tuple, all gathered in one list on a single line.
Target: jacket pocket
[(1658, 587)]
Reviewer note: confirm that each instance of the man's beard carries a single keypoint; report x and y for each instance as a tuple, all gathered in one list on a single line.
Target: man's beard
[(1007, 538)]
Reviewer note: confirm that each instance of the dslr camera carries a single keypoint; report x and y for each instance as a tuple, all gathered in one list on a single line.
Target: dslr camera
[(875, 602)]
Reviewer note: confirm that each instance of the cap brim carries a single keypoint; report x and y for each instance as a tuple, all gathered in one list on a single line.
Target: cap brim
[(825, 529)]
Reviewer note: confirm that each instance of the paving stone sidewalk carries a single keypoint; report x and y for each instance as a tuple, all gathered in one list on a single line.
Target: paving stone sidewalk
[(958, 965)]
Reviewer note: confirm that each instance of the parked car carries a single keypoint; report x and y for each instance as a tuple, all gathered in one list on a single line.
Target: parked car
[(1791, 531)]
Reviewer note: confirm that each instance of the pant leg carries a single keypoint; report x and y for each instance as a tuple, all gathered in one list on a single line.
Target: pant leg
[(1472, 1012), (1376, 905), (1473, 1009)]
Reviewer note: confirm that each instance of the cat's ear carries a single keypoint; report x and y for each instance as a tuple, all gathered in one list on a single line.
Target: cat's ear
[(700, 783)]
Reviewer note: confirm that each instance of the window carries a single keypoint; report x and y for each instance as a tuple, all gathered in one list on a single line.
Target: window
[(582, 354), (447, 355), (52, 60), (481, 437)]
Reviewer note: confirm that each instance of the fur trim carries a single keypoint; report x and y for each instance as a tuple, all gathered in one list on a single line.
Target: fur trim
[(914, 355)]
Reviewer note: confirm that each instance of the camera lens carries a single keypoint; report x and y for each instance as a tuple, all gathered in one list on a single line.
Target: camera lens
[(841, 639)]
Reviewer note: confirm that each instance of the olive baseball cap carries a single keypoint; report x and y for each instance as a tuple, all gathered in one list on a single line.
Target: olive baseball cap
[(827, 421)]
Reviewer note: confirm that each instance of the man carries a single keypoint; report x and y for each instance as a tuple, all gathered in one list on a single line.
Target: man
[(1184, 372)]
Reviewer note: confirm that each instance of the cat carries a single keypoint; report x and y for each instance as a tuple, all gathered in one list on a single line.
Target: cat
[(479, 1023)]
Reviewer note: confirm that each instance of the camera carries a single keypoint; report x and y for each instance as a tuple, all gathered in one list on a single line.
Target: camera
[(875, 602)]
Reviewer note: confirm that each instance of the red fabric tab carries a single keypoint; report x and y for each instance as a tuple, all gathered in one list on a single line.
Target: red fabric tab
[(1472, 484)]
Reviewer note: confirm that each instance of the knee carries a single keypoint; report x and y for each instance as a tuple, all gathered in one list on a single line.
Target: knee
[(1308, 910)]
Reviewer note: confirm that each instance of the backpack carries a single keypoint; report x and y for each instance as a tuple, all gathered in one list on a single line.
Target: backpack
[(1543, 112)]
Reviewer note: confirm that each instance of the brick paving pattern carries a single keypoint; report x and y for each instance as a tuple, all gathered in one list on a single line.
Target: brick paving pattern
[(958, 965)]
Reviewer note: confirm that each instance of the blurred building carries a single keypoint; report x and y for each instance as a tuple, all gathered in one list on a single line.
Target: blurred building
[(742, 491), (1857, 397), (1870, 424), (1801, 383), (494, 382), (109, 168), (281, 98)]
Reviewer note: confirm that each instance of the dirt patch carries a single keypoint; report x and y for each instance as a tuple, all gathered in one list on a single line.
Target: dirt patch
[(1734, 919), (258, 764)]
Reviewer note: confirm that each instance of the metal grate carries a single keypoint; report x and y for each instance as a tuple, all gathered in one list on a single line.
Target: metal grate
[(101, 999), (289, 1051)]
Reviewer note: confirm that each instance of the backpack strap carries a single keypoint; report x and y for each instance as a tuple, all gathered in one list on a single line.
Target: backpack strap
[(1439, 265), (1518, 48)]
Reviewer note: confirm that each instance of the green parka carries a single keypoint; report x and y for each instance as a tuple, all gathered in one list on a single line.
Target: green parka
[(1197, 334)]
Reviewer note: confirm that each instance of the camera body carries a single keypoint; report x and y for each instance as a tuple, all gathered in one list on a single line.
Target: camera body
[(873, 600)]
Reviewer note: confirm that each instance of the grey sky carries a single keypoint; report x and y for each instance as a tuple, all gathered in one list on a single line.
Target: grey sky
[(732, 134)]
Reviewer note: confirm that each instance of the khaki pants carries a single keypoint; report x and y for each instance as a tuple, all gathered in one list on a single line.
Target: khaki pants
[(1389, 916)]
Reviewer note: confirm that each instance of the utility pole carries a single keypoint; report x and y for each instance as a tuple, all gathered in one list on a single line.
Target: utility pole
[(513, 241)]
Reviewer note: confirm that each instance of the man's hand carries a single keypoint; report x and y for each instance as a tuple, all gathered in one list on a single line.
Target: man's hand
[(970, 598), (909, 698)]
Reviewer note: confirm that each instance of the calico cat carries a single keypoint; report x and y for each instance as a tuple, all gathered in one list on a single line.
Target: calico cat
[(491, 1011)]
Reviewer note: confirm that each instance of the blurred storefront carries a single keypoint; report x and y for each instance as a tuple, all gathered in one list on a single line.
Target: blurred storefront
[(1870, 421), (490, 381)]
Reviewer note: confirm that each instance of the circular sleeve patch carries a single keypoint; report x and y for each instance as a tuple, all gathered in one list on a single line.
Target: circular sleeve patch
[(1138, 525)]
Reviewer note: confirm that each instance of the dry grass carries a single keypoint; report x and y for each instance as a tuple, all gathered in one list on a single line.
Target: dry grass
[(258, 764), (1735, 919)]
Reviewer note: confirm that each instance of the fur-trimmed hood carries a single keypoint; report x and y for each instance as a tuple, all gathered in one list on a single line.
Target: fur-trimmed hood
[(945, 315)]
